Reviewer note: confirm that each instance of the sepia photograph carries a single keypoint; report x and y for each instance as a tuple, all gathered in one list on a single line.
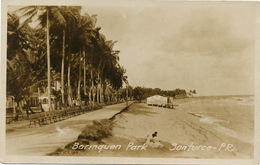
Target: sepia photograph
[(130, 82)]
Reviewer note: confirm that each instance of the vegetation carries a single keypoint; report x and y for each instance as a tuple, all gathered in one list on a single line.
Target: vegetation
[(92, 134), (64, 55), (141, 93), (97, 131)]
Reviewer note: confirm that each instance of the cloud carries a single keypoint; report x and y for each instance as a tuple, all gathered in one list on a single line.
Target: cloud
[(208, 47), (209, 32)]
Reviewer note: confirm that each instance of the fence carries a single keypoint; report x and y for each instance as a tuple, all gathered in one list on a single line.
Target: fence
[(49, 117)]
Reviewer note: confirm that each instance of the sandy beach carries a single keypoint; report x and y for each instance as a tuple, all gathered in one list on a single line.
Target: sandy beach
[(206, 127)]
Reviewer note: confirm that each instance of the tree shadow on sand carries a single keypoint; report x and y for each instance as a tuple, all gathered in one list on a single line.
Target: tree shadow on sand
[(140, 110)]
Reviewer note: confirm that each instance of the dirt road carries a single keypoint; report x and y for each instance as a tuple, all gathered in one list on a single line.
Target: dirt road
[(46, 139)]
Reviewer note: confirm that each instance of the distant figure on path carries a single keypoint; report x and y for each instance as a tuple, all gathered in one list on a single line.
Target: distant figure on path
[(153, 141)]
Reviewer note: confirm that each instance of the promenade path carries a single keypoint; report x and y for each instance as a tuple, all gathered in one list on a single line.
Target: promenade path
[(40, 141)]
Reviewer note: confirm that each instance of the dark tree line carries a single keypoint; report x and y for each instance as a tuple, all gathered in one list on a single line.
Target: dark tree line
[(141, 93)]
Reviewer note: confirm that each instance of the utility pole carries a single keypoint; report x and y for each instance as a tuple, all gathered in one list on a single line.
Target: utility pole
[(127, 84), (127, 94)]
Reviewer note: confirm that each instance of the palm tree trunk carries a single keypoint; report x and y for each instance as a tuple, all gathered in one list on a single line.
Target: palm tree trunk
[(117, 96), (98, 88), (94, 95), (106, 94), (101, 92), (79, 81), (48, 61), (92, 78), (69, 85), (62, 68), (92, 88), (98, 95), (89, 97), (39, 94), (84, 76), (14, 108)]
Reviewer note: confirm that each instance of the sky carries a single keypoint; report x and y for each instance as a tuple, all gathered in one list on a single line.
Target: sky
[(208, 47)]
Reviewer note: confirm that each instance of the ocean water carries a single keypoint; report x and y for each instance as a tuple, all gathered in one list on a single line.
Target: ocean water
[(230, 115)]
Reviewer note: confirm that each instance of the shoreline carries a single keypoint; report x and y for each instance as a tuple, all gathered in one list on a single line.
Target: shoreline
[(178, 127)]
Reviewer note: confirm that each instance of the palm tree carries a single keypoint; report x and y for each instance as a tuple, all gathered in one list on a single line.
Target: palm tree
[(23, 65), (93, 35), (15, 38), (48, 16), (45, 15), (79, 43), (62, 66), (48, 59), (110, 59), (86, 39), (102, 59), (85, 48), (70, 15), (108, 62)]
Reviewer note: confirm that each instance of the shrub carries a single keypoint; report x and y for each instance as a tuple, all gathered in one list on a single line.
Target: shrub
[(97, 131)]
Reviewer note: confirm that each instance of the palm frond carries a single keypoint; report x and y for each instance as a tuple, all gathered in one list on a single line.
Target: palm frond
[(94, 20), (57, 15), (26, 9)]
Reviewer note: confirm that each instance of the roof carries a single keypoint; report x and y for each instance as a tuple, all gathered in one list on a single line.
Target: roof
[(156, 96), (45, 95)]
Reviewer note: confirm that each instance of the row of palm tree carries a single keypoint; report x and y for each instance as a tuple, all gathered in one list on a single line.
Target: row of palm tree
[(69, 46)]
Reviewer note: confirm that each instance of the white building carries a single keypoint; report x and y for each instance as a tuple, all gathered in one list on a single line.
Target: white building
[(157, 100)]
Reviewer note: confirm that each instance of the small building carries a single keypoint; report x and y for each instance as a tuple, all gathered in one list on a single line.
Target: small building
[(44, 101), (33, 99), (10, 103), (157, 100), (38, 102), (10, 108)]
